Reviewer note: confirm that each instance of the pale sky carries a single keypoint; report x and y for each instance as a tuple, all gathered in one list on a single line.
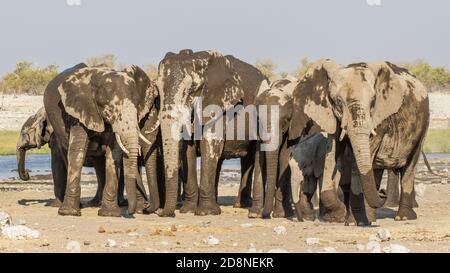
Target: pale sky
[(142, 31)]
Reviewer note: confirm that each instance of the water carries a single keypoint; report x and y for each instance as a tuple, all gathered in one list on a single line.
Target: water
[(40, 164)]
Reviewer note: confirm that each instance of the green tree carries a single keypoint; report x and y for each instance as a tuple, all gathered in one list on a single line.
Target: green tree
[(108, 60), (27, 78), (305, 64), (434, 78), (267, 67), (151, 70)]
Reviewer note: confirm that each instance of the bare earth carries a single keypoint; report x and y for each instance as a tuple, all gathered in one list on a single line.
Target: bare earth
[(26, 203)]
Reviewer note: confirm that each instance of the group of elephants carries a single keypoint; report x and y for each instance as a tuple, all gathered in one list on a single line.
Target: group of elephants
[(339, 127)]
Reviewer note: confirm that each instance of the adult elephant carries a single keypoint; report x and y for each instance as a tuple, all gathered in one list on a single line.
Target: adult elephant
[(217, 80), (37, 132), (380, 108), (274, 184), (85, 102)]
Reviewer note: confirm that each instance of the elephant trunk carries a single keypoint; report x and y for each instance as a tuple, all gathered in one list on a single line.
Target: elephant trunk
[(23, 173), (130, 169), (361, 149), (171, 164), (271, 181)]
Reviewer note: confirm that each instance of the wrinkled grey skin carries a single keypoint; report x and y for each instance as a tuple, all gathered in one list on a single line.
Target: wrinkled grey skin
[(35, 133), (383, 112), (86, 102), (220, 80), (275, 175)]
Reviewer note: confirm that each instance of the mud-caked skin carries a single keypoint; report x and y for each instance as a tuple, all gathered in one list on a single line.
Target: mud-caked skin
[(275, 173), (379, 108), (87, 102), (223, 81)]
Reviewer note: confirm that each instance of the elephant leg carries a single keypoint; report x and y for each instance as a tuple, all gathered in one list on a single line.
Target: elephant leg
[(211, 150), (59, 172), (191, 186), (333, 209), (258, 189), (405, 210), (283, 207), (393, 189), (141, 195), (244, 198), (219, 168), (109, 206), (78, 142), (152, 179), (121, 200), (99, 165)]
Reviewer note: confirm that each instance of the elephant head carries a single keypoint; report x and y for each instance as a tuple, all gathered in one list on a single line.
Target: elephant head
[(94, 96), (278, 95), (350, 101), (35, 133), (183, 77)]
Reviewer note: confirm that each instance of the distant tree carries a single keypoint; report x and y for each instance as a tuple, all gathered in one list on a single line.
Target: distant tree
[(108, 60), (27, 78), (151, 70), (267, 67), (434, 78), (305, 64)]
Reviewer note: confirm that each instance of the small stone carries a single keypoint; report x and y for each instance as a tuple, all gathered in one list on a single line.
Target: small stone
[(205, 223), (212, 240), (312, 241), (101, 229), (278, 250), (86, 243), (173, 228), (444, 181), (20, 232), (134, 234), (247, 225), (384, 235), (5, 219), (164, 243), (235, 244), (110, 243), (73, 247), (395, 248), (280, 230)]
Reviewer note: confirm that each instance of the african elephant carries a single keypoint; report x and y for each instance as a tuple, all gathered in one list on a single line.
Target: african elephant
[(383, 113), (35, 133), (86, 102), (204, 78), (275, 171)]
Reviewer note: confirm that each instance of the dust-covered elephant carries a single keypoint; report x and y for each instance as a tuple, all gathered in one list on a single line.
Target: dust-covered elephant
[(86, 102), (207, 79), (383, 113)]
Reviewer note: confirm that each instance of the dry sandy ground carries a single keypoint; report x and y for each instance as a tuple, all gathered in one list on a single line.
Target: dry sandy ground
[(26, 203)]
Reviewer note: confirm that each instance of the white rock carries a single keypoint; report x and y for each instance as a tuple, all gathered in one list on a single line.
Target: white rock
[(395, 248), (73, 247), (328, 250), (280, 230), (384, 235), (247, 225), (110, 243), (312, 241), (134, 234), (19, 232), (373, 247), (212, 240), (444, 181), (5, 219), (164, 243), (278, 250)]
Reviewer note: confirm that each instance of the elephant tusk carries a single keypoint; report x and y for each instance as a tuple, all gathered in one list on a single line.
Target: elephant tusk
[(119, 141), (141, 136), (373, 132), (341, 137)]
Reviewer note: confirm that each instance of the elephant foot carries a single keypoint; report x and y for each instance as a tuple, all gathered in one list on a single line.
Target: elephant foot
[(141, 206), (56, 203), (70, 207), (254, 213), (405, 213), (112, 211), (188, 207), (208, 209), (278, 212), (305, 212), (243, 203), (334, 215), (150, 209), (165, 213)]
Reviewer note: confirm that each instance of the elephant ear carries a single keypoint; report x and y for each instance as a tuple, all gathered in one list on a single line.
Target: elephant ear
[(145, 88), (77, 96), (39, 127), (222, 86), (311, 102), (389, 92)]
